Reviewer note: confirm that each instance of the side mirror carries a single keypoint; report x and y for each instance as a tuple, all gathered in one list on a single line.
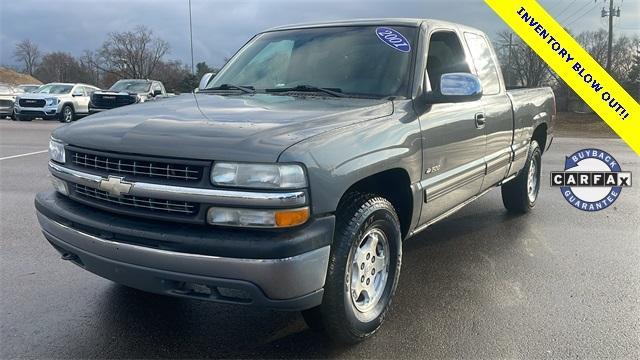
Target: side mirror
[(457, 87), (205, 80), (157, 92), (77, 94)]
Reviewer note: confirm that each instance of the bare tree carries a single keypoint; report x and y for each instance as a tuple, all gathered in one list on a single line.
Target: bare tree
[(132, 54), (61, 67), (526, 67), (27, 52)]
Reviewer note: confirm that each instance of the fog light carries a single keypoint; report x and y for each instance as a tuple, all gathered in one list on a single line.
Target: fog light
[(257, 218), (59, 185)]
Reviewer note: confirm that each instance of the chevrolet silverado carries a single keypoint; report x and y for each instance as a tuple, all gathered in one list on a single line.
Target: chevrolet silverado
[(291, 179)]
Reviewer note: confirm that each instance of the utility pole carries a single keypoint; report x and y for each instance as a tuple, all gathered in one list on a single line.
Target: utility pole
[(509, 61), (191, 39), (611, 13), (508, 71)]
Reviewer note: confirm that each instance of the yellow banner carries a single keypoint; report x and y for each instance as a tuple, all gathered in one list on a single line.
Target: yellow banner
[(576, 67)]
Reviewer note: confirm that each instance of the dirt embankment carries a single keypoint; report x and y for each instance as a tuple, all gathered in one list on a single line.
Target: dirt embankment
[(9, 76), (569, 124)]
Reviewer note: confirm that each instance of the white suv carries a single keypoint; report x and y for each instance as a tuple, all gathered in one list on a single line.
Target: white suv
[(62, 101)]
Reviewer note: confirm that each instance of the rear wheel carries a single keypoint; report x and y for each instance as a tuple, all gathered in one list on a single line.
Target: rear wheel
[(67, 114), (520, 194), (363, 271)]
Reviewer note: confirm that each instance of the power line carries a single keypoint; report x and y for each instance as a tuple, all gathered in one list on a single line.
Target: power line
[(566, 8), (577, 11), (581, 15)]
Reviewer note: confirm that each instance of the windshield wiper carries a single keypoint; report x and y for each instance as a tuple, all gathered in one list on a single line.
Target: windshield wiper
[(309, 88), (246, 89)]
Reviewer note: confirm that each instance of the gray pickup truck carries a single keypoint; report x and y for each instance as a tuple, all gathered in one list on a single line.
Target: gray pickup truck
[(291, 179)]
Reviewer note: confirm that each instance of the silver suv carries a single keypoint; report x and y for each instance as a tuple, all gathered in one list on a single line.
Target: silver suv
[(62, 101)]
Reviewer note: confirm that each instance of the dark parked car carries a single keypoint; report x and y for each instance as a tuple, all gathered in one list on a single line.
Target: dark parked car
[(126, 92)]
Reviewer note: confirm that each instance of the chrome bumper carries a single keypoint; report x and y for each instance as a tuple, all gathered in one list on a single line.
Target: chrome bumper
[(154, 270), (180, 193)]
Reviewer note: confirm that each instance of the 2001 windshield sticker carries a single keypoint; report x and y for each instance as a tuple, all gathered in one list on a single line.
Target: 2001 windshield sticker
[(393, 38), (592, 180)]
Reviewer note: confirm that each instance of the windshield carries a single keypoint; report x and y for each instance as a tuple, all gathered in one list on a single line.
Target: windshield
[(55, 89), (354, 60), (131, 86), (29, 88)]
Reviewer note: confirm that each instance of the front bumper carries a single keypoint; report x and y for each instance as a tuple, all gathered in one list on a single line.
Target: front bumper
[(47, 112), (196, 266)]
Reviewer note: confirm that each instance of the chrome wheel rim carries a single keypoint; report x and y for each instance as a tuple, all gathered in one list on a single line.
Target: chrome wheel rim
[(532, 180), (67, 114), (369, 270)]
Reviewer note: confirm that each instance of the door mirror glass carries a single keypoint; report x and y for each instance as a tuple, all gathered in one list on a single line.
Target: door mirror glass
[(457, 87), (157, 92)]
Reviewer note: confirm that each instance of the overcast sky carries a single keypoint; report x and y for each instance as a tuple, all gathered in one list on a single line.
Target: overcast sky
[(221, 26)]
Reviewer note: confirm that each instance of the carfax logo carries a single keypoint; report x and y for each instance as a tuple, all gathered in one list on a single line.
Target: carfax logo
[(592, 179)]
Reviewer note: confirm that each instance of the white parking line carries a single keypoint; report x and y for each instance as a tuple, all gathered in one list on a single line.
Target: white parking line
[(21, 155)]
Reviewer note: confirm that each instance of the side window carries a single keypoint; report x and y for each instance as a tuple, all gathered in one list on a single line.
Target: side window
[(445, 56), (89, 91), (483, 61), (79, 90), (156, 86)]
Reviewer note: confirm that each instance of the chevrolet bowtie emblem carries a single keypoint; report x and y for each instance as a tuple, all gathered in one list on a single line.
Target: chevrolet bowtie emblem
[(115, 186)]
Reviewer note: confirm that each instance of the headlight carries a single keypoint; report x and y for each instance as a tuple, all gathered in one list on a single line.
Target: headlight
[(260, 176), (257, 218), (51, 101), (56, 151)]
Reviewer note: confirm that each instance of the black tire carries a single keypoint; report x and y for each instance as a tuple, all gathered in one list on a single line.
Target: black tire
[(67, 114), (13, 115), (516, 194), (359, 216)]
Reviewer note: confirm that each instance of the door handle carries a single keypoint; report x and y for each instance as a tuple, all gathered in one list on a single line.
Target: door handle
[(481, 121)]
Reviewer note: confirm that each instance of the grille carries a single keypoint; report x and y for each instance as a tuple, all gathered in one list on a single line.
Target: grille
[(32, 102), (110, 101), (151, 169), (6, 103), (140, 203)]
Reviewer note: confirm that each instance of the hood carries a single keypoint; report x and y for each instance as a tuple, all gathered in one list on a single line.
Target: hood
[(113, 92), (39, 96), (213, 127)]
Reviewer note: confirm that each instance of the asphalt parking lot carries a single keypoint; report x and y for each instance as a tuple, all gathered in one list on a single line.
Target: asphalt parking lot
[(556, 283)]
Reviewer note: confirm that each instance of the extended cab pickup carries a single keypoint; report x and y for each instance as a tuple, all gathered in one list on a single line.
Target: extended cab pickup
[(292, 177)]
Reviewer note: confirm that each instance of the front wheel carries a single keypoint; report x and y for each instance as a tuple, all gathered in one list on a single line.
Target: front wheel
[(363, 271), (520, 194), (67, 115)]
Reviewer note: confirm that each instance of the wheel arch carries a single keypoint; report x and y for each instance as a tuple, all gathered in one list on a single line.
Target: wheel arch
[(540, 135), (400, 195)]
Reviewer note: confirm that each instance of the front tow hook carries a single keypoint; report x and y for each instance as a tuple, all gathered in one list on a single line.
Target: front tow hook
[(69, 256)]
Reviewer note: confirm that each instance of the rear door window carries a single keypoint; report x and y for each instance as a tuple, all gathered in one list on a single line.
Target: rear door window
[(483, 61)]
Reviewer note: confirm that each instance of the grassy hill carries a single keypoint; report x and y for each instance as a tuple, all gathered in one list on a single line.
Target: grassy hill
[(9, 76)]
